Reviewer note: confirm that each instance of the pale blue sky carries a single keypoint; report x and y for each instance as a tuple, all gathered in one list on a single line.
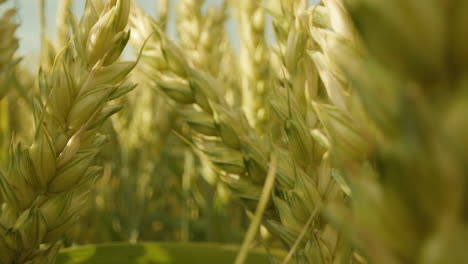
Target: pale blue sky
[(29, 30)]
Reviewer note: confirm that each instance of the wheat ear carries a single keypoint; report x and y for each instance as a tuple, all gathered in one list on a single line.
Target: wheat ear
[(46, 185), (240, 155)]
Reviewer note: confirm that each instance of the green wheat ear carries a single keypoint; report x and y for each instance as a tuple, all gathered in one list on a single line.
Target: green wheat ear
[(47, 184)]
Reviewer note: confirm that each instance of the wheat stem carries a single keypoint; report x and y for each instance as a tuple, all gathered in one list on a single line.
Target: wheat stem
[(259, 211)]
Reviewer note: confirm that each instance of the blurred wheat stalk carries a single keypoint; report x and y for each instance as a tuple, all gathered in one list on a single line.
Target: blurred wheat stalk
[(409, 192)]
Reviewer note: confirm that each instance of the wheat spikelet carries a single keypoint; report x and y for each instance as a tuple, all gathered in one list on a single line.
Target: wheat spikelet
[(254, 61), (46, 185), (283, 15)]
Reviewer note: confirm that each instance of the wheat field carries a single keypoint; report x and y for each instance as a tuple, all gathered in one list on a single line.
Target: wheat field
[(235, 131)]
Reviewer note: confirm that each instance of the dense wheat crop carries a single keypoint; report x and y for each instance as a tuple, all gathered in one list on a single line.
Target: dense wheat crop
[(235, 131)]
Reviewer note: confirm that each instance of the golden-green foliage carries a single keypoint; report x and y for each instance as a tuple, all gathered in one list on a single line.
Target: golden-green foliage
[(160, 190), (62, 19), (343, 139), (240, 153), (46, 184)]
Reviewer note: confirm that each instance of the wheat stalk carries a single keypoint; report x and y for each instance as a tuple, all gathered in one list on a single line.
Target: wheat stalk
[(151, 129), (282, 14), (8, 46), (145, 123), (47, 184), (240, 155), (311, 237), (214, 133), (168, 66), (341, 113), (203, 39), (254, 62)]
